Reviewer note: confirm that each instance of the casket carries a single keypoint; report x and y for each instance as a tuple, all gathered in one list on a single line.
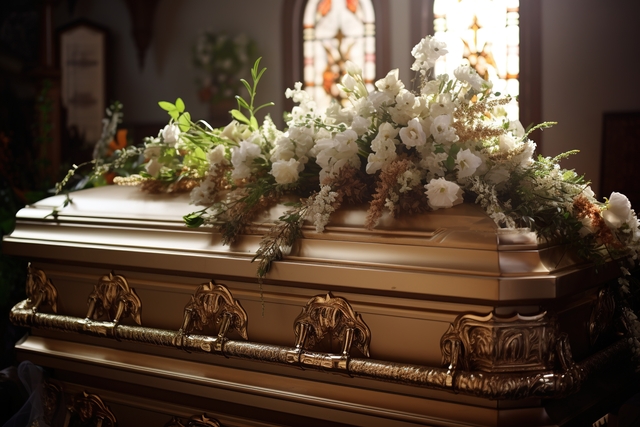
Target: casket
[(437, 319)]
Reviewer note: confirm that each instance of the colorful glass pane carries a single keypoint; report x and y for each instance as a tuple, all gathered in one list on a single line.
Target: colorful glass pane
[(336, 31), (484, 34)]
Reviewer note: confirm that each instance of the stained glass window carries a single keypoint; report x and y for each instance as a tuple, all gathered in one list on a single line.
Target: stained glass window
[(336, 31), (484, 34)]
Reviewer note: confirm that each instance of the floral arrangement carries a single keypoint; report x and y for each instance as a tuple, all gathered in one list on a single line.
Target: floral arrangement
[(221, 59), (446, 142)]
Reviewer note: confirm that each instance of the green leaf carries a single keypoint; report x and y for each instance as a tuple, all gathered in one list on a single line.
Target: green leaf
[(184, 122), (236, 114), (247, 85), (167, 106), (242, 102), (254, 123), (193, 220), (180, 105), (174, 114)]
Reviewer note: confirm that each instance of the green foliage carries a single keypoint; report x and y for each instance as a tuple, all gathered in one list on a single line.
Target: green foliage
[(251, 121)]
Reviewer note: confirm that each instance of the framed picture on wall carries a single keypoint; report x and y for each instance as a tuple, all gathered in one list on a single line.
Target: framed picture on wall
[(83, 56)]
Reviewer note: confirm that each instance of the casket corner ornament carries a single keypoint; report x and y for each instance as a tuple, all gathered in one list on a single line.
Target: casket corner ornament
[(492, 343)]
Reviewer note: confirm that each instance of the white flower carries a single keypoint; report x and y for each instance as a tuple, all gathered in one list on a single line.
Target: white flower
[(506, 142), (334, 153), (390, 84), (427, 53), (413, 135), (352, 69), (469, 75), (467, 163), (433, 163), (384, 148), (242, 157), (360, 125), (516, 128), (216, 156), (443, 194), (409, 179), (441, 131), (618, 210), (153, 167), (443, 105), (235, 132), (171, 134), (323, 205), (152, 152), (285, 172)]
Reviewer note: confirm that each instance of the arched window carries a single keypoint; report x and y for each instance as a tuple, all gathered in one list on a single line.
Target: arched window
[(320, 35), (484, 34), (334, 32), (475, 27)]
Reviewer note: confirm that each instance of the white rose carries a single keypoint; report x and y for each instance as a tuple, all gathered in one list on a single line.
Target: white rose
[(618, 210), (443, 194), (171, 134), (285, 172)]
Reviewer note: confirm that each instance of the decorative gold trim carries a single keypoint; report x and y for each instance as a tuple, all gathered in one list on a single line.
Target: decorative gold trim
[(323, 314), (90, 408), (194, 421), (51, 394), (40, 290), (504, 344), (113, 296), (602, 314), (550, 383)]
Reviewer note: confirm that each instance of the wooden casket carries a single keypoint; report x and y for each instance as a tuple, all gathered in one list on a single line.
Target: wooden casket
[(438, 319)]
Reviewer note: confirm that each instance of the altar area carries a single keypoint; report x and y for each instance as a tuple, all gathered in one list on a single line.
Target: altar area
[(439, 319)]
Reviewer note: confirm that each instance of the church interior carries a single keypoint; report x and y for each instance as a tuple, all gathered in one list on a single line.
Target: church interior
[(578, 61)]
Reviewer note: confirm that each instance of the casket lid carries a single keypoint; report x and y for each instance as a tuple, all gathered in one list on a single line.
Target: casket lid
[(455, 252)]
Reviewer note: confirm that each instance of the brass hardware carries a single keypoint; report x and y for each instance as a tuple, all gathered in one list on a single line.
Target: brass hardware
[(601, 314), (504, 344), (51, 394), (113, 296), (212, 302), (501, 385), (328, 313), (194, 421), (89, 408), (40, 290)]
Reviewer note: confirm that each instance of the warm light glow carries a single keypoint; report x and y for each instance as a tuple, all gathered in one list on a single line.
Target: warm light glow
[(484, 34)]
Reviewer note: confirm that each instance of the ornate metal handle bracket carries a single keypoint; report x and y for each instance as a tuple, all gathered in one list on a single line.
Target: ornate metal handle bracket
[(323, 315), (40, 290), (89, 408), (213, 302), (113, 296)]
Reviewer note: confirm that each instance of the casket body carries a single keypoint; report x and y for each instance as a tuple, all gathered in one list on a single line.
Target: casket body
[(449, 321)]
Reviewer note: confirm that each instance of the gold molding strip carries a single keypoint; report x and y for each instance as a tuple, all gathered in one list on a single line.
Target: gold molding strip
[(500, 385)]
